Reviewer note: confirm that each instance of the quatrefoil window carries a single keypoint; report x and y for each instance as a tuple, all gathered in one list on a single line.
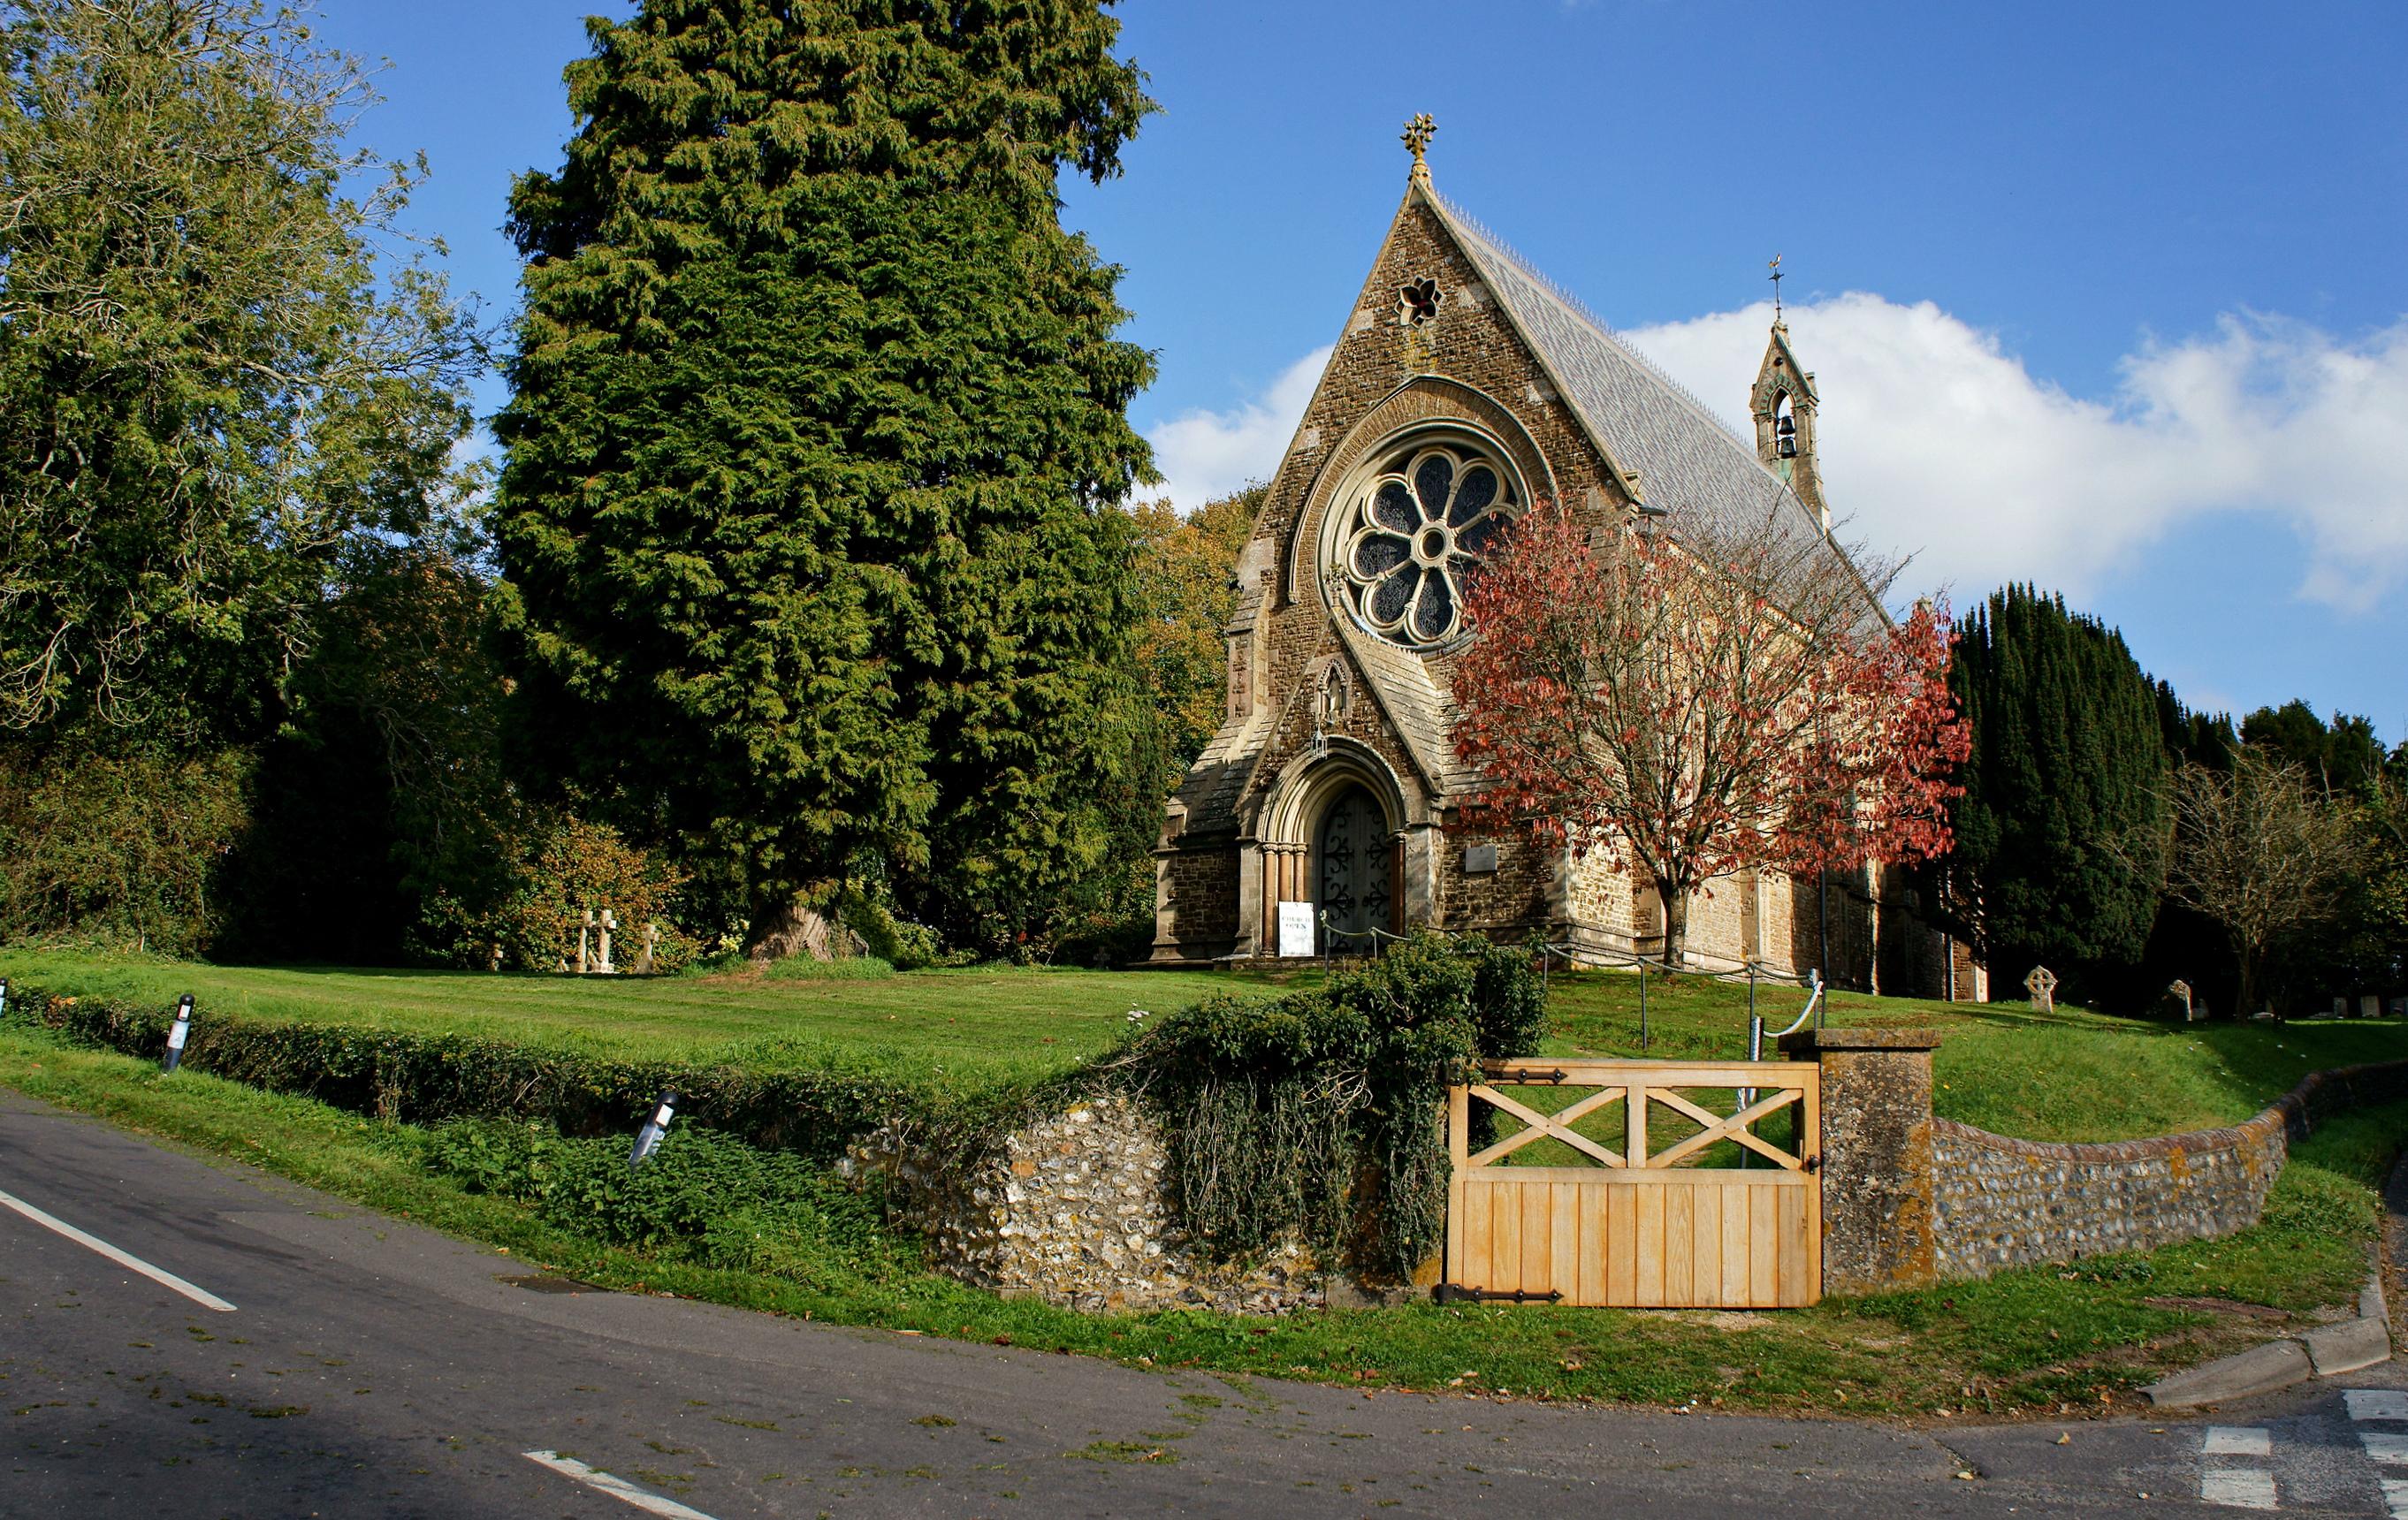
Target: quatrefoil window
[(1417, 301), (1412, 532)]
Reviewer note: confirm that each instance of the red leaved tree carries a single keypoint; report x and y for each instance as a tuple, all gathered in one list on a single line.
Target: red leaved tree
[(1695, 704)]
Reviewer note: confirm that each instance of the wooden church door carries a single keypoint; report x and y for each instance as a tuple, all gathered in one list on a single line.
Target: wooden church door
[(1357, 872)]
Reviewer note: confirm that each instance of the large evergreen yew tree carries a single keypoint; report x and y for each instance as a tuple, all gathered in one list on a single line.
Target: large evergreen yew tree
[(817, 428), (2060, 827)]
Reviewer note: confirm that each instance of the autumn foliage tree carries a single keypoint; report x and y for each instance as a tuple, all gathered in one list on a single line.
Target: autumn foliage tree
[(1696, 704)]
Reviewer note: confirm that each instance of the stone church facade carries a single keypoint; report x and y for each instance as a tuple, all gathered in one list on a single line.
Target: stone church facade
[(1464, 388)]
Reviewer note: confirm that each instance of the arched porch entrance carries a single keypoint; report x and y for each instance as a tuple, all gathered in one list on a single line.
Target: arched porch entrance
[(1357, 872), (1334, 849)]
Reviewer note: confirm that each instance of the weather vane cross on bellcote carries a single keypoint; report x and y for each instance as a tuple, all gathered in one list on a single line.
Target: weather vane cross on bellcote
[(1418, 132), (1775, 267)]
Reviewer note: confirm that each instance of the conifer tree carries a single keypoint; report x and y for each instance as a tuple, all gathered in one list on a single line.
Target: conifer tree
[(2059, 832), (817, 429)]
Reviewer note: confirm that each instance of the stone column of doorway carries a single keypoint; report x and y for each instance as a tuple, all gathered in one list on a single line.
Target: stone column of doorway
[(1880, 1203)]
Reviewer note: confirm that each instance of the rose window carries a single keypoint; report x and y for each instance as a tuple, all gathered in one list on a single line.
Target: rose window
[(1416, 528)]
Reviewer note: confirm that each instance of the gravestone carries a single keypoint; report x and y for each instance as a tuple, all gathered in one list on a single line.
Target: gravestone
[(2340, 1008), (2042, 984), (652, 942), (2178, 1003), (609, 922), (584, 932), (2371, 1005)]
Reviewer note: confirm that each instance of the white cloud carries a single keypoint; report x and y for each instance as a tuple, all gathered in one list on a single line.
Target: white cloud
[(1204, 455), (1935, 440)]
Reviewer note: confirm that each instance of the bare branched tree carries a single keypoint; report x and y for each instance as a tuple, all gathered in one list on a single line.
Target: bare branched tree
[(2264, 852)]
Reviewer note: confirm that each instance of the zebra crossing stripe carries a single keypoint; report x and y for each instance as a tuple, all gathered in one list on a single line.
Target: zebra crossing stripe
[(2240, 1488), (2383, 1445), (2376, 1403), (2239, 1441), (2244, 1489)]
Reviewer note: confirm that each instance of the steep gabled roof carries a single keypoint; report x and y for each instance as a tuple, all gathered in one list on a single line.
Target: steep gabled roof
[(1687, 460)]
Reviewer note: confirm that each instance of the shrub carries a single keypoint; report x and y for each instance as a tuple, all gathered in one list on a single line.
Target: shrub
[(709, 1197), (121, 850), (1318, 1114), (565, 869)]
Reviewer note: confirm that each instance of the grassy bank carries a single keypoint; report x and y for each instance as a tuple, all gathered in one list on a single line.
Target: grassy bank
[(978, 1022), (2068, 1075), (2044, 1342)]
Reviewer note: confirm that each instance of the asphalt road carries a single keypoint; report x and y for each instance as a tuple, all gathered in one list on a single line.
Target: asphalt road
[(371, 1368)]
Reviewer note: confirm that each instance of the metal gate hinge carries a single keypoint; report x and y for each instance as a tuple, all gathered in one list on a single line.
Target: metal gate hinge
[(1453, 1293)]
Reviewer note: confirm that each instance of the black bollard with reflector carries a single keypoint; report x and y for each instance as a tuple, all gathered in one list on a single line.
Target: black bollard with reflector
[(178, 1032), (648, 1139), (4, 996)]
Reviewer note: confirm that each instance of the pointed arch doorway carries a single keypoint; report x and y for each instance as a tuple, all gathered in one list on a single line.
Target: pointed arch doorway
[(1356, 874)]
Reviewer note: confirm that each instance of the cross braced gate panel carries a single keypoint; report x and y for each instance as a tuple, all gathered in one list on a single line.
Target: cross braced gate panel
[(1676, 1202)]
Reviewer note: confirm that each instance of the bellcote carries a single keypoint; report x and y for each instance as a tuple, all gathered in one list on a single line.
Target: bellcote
[(1784, 405)]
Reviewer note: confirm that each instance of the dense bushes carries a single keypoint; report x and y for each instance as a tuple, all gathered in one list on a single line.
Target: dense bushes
[(1318, 1114), (566, 869), (117, 848), (707, 1197)]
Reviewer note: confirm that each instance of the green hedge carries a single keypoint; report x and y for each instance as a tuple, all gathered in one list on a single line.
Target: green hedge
[(426, 1079)]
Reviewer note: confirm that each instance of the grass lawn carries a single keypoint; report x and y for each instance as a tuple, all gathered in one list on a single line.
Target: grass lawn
[(1005, 1021), (2070, 1075), (2046, 1341)]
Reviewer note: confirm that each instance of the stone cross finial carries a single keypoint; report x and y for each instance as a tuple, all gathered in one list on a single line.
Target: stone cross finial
[(1418, 132)]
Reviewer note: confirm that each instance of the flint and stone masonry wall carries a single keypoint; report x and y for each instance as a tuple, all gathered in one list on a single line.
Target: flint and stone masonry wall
[(1075, 1209), (1910, 1200), (2016, 1202)]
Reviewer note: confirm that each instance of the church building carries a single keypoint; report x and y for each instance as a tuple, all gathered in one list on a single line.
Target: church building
[(1328, 807)]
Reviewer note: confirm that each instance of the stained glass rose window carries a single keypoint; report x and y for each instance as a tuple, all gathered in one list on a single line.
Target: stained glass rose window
[(1410, 534)]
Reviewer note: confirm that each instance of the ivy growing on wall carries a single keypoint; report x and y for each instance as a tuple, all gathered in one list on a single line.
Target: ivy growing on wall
[(1319, 1115)]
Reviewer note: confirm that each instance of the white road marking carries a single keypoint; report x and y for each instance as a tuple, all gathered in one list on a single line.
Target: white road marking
[(2385, 1447), (2244, 1489), (2376, 1403), (618, 1488), (2395, 1493), (2239, 1441), (132, 1263)]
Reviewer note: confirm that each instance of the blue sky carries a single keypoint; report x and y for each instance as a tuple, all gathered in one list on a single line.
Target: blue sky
[(2105, 296)]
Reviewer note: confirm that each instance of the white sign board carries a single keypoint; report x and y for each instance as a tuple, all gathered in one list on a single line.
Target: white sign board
[(1296, 928)]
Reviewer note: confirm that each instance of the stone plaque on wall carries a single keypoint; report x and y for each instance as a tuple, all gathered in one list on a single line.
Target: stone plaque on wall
[(1479, 860), (1296, 928)]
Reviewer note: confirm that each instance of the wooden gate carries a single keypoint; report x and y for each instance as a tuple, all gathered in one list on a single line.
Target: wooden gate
[(1637, 1184)]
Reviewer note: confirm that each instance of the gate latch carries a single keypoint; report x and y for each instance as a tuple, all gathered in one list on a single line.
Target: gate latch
[(1812, 1163), (1451, 1293)]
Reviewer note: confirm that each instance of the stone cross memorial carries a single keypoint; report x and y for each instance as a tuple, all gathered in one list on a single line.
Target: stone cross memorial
[(2042, 984)]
